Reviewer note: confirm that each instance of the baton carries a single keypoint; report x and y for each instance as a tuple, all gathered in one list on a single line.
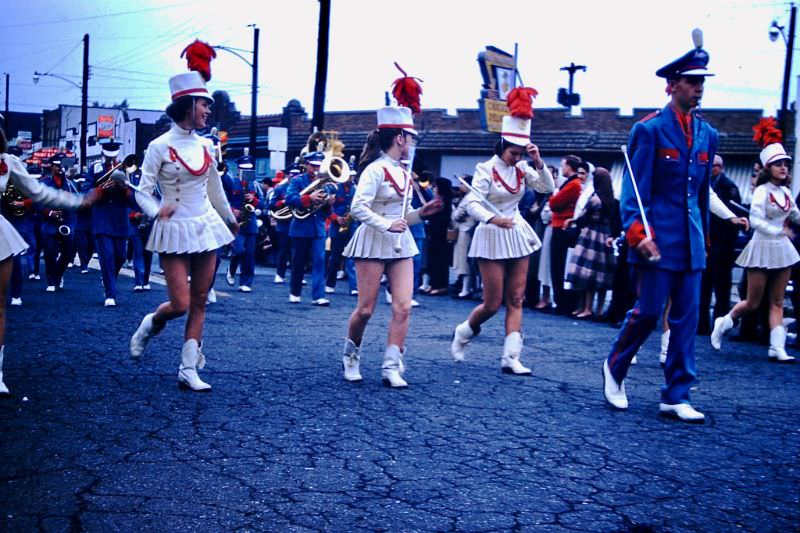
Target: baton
[(647, 233), (397, 239), (489, 205)]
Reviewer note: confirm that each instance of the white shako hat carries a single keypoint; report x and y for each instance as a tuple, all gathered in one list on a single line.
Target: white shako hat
[(188, 84), (396, 117), (516, 130), (773, 152)]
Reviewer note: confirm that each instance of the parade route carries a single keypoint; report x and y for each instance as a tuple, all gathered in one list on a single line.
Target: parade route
[(94, 441)]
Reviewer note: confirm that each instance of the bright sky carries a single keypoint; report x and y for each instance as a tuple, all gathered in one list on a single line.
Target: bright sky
[(135, 47)]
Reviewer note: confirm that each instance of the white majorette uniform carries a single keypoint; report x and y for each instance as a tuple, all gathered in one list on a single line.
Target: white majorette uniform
[(770, 247), (503, 186), (182, 163), (378, 201), (12, 171)]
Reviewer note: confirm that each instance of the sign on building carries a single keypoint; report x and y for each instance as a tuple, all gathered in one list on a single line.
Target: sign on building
[(499, 77)]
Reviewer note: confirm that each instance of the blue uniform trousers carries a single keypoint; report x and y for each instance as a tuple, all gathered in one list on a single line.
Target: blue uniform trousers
[(654, 287), (58, 252), (419, 261), (284, 250), (84, 242), (302, 247), (111, 253), (142, 259), (23, 264), (338, 242), (244, 253)]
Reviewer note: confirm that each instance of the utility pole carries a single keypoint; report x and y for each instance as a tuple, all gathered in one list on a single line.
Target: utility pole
[(84, 99), (318, 118), (254, 94), (787, 73), (5, 121)]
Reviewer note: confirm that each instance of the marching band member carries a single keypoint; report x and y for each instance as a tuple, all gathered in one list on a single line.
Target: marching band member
[(242, 192), (138, 233), (382, 243), (12, 172), (194, 218), (58, 230), (671, 154), (340, 230), (308, 234), (770, 254), (84, 241), (503, 240), (110, 225), (277, 200)]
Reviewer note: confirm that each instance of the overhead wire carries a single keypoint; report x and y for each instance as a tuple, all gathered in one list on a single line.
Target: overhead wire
[(92, 17)]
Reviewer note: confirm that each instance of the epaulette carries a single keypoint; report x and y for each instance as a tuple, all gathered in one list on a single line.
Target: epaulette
[(651, 116)]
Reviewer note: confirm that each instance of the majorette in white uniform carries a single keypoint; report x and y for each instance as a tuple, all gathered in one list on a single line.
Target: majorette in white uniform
[(12, 171), (504, 186), (771, 205), (182, 163), (378, 201)]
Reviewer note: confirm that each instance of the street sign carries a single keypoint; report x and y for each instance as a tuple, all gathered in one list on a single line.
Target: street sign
[(278, 139)]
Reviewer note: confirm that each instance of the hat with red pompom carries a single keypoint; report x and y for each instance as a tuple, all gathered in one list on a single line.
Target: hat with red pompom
[(767, 135), (193, 83), (516, 127)]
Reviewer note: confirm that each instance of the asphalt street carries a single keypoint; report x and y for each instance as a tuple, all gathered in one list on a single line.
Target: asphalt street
[(93, 441)]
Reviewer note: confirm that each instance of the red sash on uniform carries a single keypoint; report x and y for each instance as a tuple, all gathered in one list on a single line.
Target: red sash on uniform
[(173, 155), (512, 190)]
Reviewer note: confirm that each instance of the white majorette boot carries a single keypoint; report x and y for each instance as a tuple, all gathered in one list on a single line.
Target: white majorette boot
[(191, 360), (461, 337), (146, 331), (350, 360), (3, 389), (512, 348), (392, 367), (613, 391), (721, 325), (662, 356), (777, 346)]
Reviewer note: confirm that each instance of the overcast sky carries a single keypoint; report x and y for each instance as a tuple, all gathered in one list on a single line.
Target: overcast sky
[(135, 47)]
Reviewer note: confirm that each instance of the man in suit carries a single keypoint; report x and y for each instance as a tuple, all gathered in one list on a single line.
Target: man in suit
[(671, 155)]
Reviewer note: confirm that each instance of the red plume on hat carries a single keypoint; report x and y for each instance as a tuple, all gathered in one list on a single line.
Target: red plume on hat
[(198, 58), (520, 101), (767, 132), (406, 91)]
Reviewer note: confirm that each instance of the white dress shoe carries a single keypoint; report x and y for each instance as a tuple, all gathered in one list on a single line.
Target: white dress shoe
[(211, 297), (350, 361), (354, 292), (391, 368), (414, 303), (461, 337), (110, 302), (245, 288), (329, 290), (187, 371), (146, 286), (322, 302), (3, 389), (137, 288), (294, 299), (721, 325), (84, 271), (61, 284), (51, 288), (340, 274), (277, 279), (615, 394), (512, 349), (146, 331), (16, 301), (230, 278), (31, 276), (777, 346), (682, 411), (635, 360)]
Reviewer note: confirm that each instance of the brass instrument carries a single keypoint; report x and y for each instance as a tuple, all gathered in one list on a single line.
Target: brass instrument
[(130, 164), (10, 196), (63, 229)]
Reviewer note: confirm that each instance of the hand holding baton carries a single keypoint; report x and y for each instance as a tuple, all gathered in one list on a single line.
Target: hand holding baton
[(655, 257), (486, 203)]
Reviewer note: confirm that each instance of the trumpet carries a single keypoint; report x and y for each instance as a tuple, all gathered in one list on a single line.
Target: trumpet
[(130, 164)]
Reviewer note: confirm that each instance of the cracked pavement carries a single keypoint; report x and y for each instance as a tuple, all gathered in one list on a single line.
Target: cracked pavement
[(92, 440)]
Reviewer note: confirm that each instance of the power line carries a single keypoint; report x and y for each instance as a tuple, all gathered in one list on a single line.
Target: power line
[(94, 17), (65, 56)]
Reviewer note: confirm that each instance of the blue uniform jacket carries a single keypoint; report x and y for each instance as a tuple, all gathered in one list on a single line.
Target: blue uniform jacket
[(673, 182), (313, 225), (49, 224), (277, 199), (341, 206), (235, 190), (110, 212), (84, 216)]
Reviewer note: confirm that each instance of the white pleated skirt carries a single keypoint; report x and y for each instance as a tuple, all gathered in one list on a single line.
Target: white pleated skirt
[(370, 243), (494, 242), (11, 242), (768, 253), (196, 234)]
